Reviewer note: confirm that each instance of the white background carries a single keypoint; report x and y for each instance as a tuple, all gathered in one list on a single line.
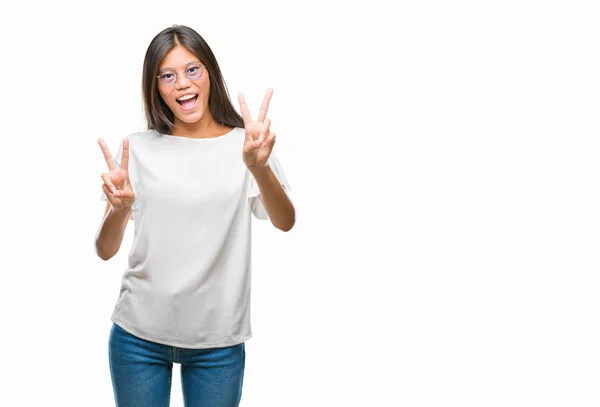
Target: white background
[(443, 158)]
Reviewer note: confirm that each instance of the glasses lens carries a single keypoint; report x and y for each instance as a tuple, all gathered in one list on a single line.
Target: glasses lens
[(168, 78), (194, 72)]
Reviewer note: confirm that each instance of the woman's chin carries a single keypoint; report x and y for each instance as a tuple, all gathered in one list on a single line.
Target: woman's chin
[(191, 117)]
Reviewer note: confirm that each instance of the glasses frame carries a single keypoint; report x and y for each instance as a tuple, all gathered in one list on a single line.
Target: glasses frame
[(186, 74)]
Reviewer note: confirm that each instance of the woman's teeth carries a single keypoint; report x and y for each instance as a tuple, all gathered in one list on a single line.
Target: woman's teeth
[(186, 97)]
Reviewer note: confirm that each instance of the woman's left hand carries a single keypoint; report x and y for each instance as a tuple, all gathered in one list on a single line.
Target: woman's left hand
[(259, 140)]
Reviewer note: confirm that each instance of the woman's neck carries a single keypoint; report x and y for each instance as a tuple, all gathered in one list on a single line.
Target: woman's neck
[(206, 127)]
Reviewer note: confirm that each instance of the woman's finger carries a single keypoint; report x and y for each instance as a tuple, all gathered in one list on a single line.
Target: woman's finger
[(264, 107), (249, 138), (125, 155), (251, 146), (107, 155), (109, 194), (270, 141), (244, 109), (108, 182), (126, 194), (266, 129)]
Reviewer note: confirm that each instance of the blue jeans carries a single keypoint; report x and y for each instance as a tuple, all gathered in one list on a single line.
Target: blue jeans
[(141, 372)]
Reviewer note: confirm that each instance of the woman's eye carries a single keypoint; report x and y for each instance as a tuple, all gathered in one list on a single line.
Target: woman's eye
[(167, 76), (193, 69)]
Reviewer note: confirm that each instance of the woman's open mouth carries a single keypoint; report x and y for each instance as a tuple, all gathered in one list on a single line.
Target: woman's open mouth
[(188, 102)]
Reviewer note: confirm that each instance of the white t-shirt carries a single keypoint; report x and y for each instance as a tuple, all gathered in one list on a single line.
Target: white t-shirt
[(187, 283)]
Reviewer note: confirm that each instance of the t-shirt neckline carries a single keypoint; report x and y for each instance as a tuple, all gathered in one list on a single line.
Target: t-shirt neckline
[(199, 138)]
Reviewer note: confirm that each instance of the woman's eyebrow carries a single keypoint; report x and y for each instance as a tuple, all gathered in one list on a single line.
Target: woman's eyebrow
[(189, 63)]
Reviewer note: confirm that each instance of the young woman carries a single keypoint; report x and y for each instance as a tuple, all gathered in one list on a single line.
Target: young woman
[(191, 183)]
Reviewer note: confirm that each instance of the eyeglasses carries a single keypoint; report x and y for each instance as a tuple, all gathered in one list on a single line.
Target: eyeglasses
[(169, 78)]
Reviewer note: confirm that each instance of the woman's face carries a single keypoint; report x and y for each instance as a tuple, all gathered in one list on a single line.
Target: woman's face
[(177, 63)]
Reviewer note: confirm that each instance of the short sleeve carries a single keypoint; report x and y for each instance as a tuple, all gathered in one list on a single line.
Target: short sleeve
[(258, 208), (117, 160)]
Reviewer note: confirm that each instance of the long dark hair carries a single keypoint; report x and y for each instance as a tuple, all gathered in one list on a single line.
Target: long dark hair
[(158, 114)]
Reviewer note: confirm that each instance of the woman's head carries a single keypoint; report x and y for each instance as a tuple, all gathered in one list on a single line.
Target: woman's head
[(180, 53)]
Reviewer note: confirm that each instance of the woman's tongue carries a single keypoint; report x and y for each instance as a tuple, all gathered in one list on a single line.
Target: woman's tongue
[(186, 104)]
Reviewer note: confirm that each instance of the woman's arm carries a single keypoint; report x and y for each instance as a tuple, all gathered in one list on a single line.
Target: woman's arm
[(258, 144), (274, 198), (119, 193), (110, 234)]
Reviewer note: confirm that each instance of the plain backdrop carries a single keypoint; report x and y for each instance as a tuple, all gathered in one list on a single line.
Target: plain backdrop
[(443, 159)]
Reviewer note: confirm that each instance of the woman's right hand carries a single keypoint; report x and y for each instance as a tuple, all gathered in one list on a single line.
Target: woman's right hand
[(117, 185)]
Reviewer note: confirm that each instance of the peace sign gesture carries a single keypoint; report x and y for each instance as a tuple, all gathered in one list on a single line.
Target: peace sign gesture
[(117, 186), (259, 140)]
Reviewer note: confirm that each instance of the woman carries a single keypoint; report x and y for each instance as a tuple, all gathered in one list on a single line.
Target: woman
[(191, 182)]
